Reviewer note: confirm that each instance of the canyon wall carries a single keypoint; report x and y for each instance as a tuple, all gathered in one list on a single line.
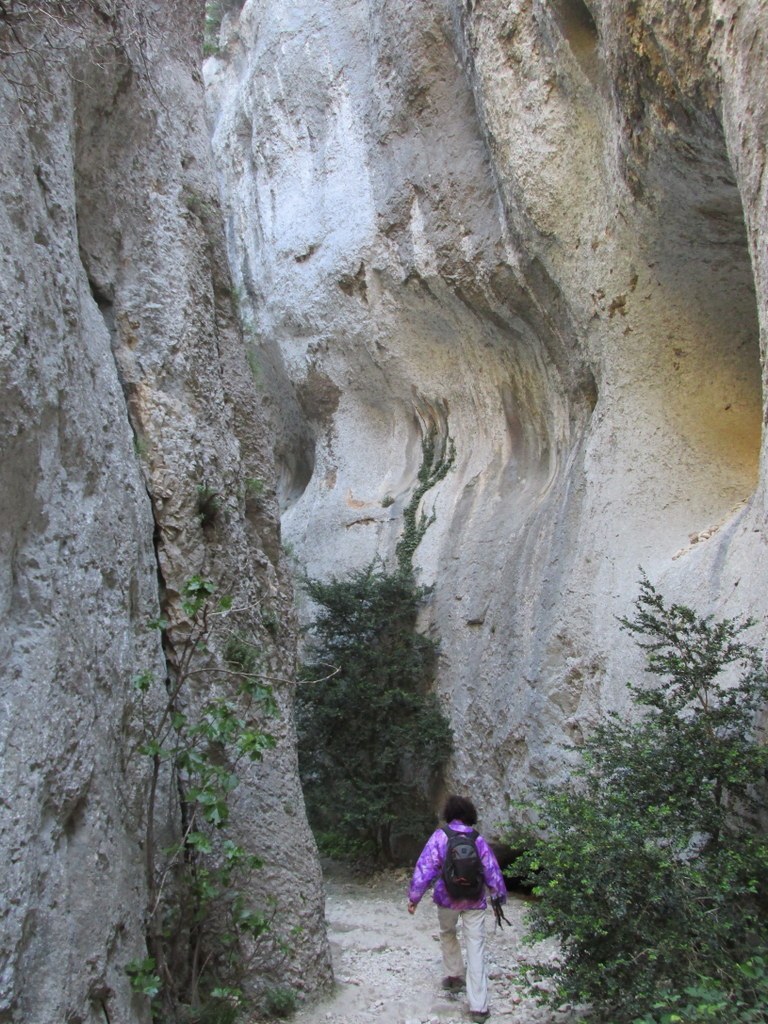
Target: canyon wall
[(532, 230), (537, 228), (126, 394)]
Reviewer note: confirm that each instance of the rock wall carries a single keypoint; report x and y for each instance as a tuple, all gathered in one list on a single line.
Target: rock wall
[(125, 389), (537, 228)]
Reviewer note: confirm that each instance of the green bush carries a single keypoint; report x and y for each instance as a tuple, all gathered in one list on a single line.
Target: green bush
[(372, 738), (280, 1001), (740, 999), (652, 869)]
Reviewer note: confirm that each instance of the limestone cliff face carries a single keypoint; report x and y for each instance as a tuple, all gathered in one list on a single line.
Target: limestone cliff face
[(537, 228), (125, 389)]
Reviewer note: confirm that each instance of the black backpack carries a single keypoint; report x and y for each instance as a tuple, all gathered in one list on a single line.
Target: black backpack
[(462, 867)]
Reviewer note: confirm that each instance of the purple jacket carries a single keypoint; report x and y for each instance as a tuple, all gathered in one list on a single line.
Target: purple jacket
[(430, 864)]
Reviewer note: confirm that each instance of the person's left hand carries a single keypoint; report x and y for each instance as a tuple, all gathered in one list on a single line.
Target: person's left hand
[(411, 907)]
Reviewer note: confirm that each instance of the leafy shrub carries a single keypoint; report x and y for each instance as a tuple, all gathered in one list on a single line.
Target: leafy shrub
[(652, 869), (372, 738), (199, 727), (280, 1001), (742, 999)]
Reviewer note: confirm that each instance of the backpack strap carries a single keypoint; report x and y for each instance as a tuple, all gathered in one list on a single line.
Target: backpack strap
[(473, 835)]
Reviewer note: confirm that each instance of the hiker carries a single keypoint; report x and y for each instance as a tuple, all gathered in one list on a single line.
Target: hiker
[(479, 870)]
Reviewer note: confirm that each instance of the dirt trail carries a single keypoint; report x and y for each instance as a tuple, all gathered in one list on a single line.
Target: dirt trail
[(388, 966)]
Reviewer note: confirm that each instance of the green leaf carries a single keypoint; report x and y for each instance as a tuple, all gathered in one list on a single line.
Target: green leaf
[(178, 720), (200, 841), (143, 978), (143, 681), (152, 748)]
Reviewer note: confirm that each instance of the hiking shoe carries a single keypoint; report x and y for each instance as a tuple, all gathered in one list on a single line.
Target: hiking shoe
[(479, 1015), (453, 984)]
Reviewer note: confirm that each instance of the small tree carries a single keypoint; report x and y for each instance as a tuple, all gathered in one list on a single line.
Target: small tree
[(372, 738), (653, 866)]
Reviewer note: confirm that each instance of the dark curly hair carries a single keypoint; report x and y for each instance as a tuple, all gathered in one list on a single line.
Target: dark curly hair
[(460, 807)]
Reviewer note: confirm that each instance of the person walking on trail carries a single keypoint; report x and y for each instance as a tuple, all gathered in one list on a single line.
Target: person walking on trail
[(462, 866)]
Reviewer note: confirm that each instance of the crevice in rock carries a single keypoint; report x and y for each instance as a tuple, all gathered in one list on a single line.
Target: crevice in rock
[(355, 284), (575, 21), (295, 466), (103, 294)]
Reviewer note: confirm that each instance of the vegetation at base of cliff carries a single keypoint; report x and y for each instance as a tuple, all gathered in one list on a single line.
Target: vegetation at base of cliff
[(372, 737), (652, 866), (204, 931), (373, 741)]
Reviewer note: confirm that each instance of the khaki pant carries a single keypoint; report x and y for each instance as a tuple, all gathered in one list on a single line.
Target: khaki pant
[(473, 927)]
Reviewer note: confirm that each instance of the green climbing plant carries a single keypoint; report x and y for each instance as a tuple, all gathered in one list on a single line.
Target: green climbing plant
[(197, 729), (435, 463)]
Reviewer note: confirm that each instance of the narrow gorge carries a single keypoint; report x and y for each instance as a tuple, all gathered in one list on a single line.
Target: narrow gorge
[(239, 290), (532, 228)]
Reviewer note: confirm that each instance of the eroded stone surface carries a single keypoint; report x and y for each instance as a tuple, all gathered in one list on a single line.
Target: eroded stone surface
[(537, 228), (125, 390), (533, 227)]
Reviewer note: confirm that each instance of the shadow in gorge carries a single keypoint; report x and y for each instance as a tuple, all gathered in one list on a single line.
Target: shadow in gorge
[(707, 394)]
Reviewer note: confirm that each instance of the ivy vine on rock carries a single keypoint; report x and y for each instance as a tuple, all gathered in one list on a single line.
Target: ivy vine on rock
[(435, 462)]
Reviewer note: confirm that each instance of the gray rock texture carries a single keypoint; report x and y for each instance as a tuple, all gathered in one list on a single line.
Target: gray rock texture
[(534, 229), (125, 389), (537, 228)]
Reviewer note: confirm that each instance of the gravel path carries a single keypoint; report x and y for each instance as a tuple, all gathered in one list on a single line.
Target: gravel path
[(388, 966)]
